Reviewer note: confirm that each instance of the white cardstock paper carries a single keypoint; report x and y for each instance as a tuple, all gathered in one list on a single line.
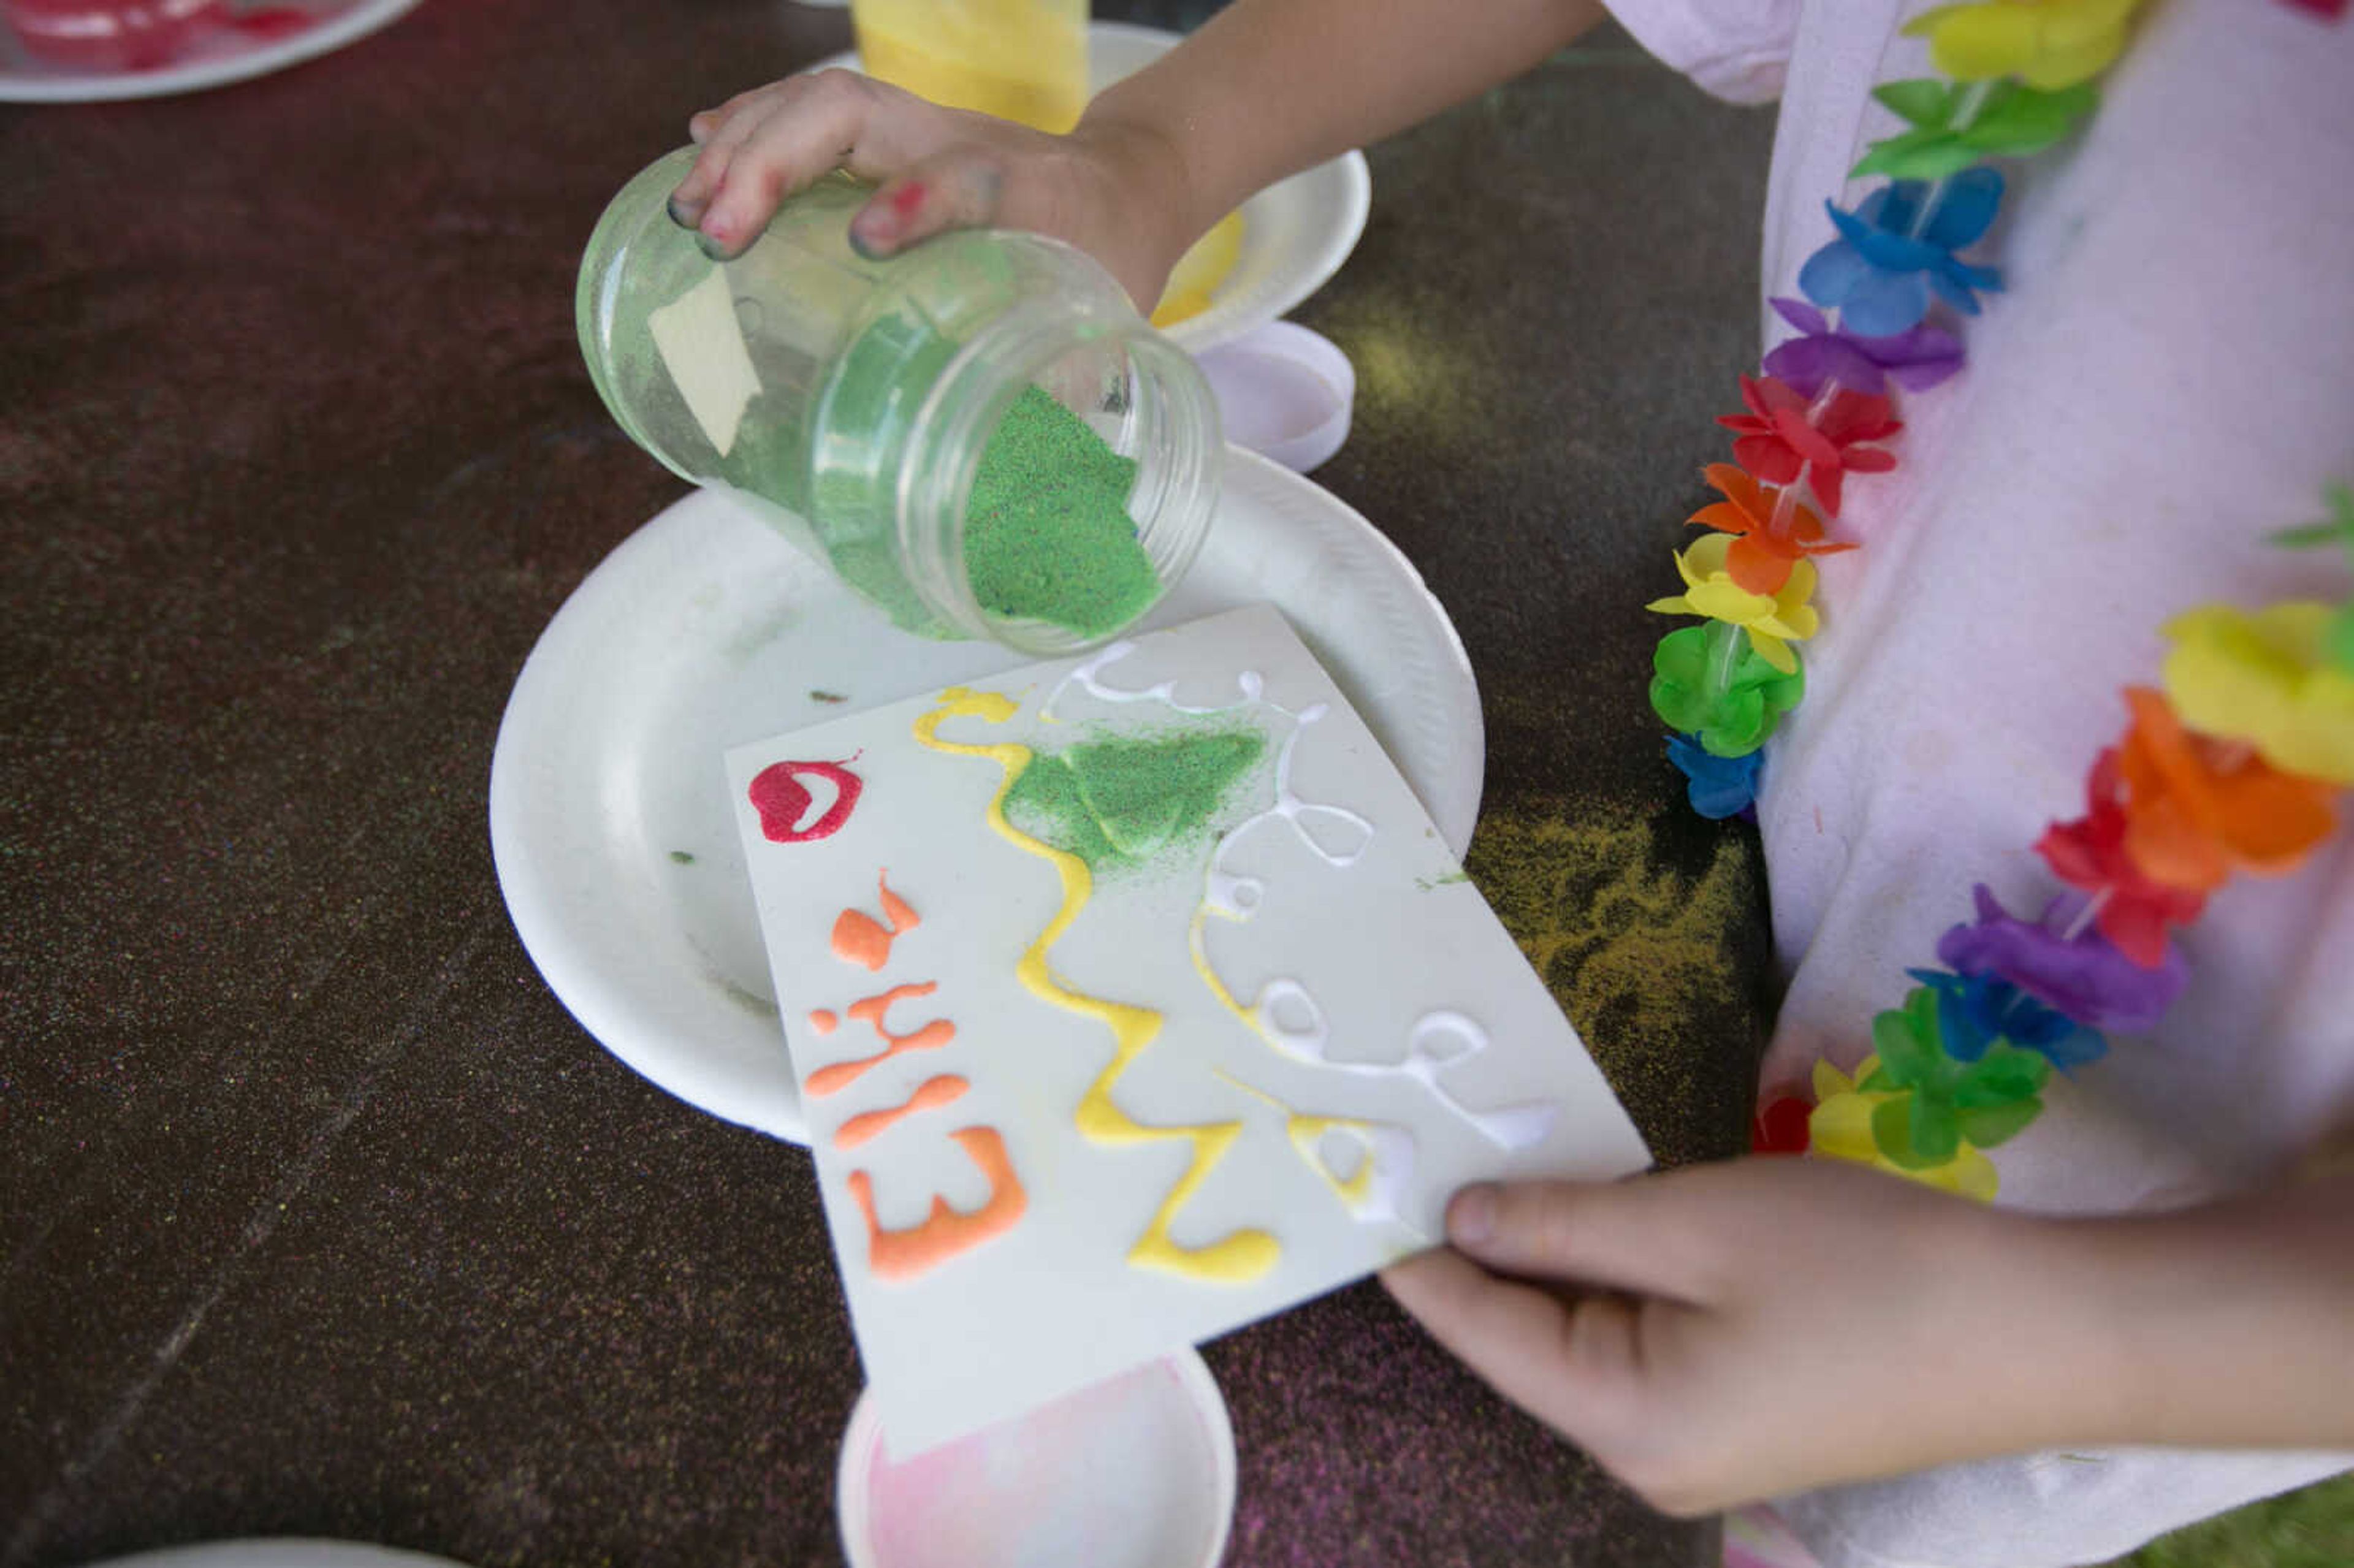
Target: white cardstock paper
[(1072, 1111)]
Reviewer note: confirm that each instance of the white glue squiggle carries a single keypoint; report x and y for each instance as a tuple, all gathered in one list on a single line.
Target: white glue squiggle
[(1284, 1014), (1236, 897), (1374, 1193), (1388, 1151), (1249, 683), (1304, 1036)]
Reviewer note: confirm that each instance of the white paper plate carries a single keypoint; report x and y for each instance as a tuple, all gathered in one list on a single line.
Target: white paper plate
[(1136, 1472), (216, 57), (278, 1553), (611, 821), (1296, 233)]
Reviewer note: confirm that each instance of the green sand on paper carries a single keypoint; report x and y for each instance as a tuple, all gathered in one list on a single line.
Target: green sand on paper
[(1120, 803), (1046, 531)]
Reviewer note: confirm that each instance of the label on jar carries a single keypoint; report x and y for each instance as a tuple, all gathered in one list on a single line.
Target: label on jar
[(702, 345)]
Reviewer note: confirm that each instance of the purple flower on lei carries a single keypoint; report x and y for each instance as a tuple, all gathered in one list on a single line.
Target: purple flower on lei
[(1718, 787), (2083, 976), (1975, 1010), (1880, 275), (1915, 360)]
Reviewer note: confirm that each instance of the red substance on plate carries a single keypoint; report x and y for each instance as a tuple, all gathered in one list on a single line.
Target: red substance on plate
[(108, 35), (271, 23)]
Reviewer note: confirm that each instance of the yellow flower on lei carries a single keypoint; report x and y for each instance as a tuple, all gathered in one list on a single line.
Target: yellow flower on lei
[(2047, 44), (1773, 621), (1840, 1128), (2267, 678)]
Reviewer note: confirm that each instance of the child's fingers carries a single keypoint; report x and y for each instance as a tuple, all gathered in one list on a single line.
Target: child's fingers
[(957, 189), (805, 130), (692, 196), (1571, 1366), (700, 124), (1646, 1234), (718, 132), (797, 131), (1514, 1336)]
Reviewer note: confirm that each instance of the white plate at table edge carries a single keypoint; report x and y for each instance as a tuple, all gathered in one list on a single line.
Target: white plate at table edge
[(611, 827), (278, 1551), (23, 81), (1339, 191)]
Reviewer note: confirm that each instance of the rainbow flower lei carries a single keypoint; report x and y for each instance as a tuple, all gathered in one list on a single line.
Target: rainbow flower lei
[(2232, 768)]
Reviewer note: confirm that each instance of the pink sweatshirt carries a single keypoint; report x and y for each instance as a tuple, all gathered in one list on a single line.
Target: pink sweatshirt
[(2169, 377)]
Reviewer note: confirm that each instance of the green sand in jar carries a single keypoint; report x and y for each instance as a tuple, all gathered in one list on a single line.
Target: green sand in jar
[(1046, 532)]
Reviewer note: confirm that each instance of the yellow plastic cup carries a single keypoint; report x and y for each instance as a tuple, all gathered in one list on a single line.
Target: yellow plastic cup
[(1024, 60)]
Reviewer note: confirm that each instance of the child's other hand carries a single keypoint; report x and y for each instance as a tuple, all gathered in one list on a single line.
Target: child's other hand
[(1114, 191), (1729, 1333)]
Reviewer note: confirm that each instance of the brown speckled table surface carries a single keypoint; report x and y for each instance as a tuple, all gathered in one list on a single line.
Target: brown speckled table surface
[(318, 1214)]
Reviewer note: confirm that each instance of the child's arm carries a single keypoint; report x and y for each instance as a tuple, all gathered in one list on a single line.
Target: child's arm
[(1773, 1325), (1267, 88)]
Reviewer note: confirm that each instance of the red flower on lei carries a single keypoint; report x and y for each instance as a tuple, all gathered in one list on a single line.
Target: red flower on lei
[(1780, 1127), (1778, 442), (1760, 559)]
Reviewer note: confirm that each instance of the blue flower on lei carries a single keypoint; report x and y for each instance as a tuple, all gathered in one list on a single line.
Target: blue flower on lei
[(1879, 274), (1718, 787), (1975, 1010)]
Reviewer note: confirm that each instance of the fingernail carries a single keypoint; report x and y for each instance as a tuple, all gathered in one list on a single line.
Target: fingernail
[(872, 234), (1471, 1217), (715, 243), (880, 227), (684, 213)]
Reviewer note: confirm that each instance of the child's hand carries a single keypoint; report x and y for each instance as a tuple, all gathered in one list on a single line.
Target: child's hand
[(1113, 191), (1767, 1325)]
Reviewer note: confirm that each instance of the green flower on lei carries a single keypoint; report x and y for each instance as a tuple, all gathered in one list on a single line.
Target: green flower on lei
[(1709, 683), (1953, 127), (1981, 1102)]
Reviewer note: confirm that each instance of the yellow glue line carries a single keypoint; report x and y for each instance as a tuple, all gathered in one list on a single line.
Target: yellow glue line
[(1198, 945), (1306, 1132), (1236, 1259)]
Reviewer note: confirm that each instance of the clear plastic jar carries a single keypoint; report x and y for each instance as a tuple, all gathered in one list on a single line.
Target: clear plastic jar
[(854, 403)]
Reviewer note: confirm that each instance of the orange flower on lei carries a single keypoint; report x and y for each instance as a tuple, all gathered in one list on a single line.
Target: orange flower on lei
[(2197, 808), (1760, 559)]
